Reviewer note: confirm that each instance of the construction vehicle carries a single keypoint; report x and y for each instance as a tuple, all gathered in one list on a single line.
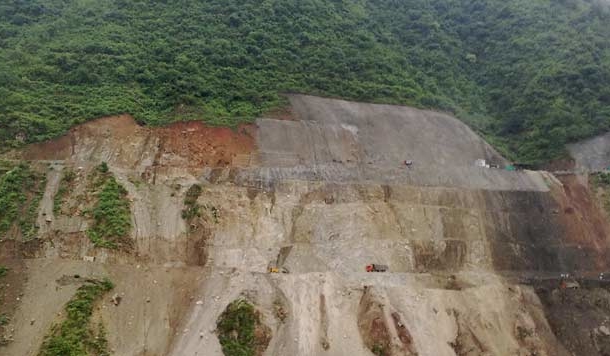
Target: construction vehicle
[(276, 266), (273, 268), (566, 281), (374, 267)]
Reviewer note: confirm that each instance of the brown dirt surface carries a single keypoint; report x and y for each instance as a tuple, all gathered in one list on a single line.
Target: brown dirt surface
[(403, 335), (120, 127), (194, 143), (372, 325), (466, 342), (324, 323), (204, 145), (153, 301), (580, 318), (11, 289), (584, 220), (262, 336), (562, 164)]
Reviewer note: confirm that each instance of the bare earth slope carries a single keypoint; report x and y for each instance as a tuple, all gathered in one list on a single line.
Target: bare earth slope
[(592, 154), (469, 249)]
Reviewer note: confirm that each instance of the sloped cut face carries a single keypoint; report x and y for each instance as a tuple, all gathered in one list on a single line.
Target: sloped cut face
[(321, 197)]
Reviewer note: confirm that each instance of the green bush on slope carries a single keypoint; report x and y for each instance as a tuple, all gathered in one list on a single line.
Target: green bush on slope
[(74, 336), (111, 213), (21, 190), (240, 331)]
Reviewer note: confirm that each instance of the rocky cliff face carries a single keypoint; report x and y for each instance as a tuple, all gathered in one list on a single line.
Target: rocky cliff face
[(474, 253)]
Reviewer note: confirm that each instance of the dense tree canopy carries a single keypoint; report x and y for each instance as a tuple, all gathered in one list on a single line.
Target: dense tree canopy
[(530, 74)]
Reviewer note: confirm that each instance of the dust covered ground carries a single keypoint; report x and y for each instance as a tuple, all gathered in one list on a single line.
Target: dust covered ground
[(320, 191)]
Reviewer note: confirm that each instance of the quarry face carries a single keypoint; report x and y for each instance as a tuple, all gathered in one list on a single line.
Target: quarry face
[(475, 255)]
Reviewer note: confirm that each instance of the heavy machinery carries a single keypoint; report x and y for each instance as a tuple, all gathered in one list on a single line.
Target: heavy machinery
[(277, 265), (273, 268), (375, 267)]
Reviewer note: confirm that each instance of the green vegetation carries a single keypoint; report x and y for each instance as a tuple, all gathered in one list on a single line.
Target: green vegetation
[(64, 188), (21, 190), (601, 181), (378, 350), (530, 74), (236, 330), (192, 209), (75, 336), (4, 319), (111, 213)]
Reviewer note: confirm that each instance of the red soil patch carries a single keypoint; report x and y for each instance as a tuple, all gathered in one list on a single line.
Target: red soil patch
[(203, 145), (56, 149), (185, 144)]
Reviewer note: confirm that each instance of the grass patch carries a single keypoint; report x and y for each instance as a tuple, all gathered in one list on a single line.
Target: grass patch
[(4, 319), (111, 213), (75, 336), (135, 181), (240, 331), (378, 350), (192, 209), (21, 190), (602, 181), (62, 192)]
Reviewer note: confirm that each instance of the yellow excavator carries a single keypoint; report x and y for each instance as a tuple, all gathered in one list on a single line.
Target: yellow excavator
[(273, 268), (276, 266)]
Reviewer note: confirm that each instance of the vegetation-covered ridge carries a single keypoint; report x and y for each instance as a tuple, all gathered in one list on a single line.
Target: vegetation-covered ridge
[(530, 74), (75, 335), (21, 189), (111, 213)]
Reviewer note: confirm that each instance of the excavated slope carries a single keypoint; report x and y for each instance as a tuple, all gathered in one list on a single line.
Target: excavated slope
[(325, 195)]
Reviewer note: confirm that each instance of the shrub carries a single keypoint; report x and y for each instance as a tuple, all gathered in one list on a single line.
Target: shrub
[(236, 329), (21, 190), (74, 336), (192, 209), (111, 213)]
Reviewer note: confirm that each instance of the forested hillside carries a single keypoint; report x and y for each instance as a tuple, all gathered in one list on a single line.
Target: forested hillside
[(530, 74)]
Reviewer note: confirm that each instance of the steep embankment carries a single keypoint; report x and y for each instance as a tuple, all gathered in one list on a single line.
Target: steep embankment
[(469, 249)]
